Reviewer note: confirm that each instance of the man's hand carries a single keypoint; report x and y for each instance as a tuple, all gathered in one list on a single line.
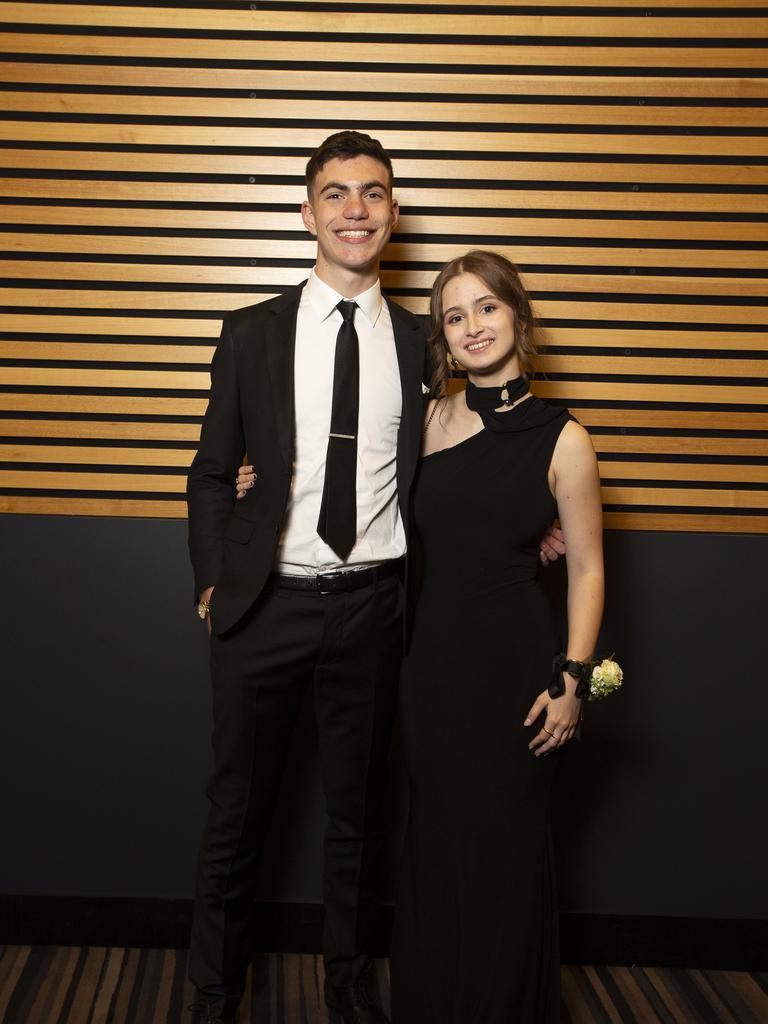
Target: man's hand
[(551, 545), (206, 596)]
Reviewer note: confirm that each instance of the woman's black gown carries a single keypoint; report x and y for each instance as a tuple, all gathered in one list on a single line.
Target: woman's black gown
[(475, 938)]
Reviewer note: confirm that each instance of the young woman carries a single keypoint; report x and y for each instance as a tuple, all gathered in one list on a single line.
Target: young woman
[(476, 926), (475, 939)]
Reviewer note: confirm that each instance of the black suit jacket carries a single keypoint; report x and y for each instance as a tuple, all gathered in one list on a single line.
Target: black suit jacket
[(251, 409)]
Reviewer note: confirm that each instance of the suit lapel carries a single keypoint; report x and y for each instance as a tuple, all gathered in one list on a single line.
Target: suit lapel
[(280, 342)]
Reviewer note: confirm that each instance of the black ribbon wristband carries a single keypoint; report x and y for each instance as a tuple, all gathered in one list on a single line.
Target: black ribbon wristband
[(580, 670)]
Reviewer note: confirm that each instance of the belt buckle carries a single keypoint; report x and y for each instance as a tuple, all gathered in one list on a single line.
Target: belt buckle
[(332, 578)]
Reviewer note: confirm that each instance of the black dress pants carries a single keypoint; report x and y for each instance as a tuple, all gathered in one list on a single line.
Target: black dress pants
[(349, 646)]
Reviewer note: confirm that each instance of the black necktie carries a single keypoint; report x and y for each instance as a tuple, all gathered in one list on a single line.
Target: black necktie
[(337, 524)]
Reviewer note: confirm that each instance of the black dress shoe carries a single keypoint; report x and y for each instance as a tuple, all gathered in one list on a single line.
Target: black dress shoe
[(220, 1011), (352, 1005)]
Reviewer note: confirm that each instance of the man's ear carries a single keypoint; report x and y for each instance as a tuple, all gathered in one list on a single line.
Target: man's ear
[(308, 217), (395, 213)]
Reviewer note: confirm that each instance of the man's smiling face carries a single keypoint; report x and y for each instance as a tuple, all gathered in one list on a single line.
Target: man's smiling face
[(352, 213)]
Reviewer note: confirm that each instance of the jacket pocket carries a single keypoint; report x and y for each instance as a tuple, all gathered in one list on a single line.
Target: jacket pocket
[(240, 530)]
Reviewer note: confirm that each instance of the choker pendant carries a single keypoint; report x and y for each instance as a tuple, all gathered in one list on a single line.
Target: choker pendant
[(481, 399)]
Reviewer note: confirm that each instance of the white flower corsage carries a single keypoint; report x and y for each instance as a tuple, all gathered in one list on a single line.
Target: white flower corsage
[(606, 677), (592, 681)]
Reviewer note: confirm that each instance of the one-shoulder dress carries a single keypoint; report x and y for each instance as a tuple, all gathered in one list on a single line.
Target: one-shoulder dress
[(475, 938)]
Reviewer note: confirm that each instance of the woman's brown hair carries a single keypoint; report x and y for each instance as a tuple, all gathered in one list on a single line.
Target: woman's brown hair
[(503, 280)]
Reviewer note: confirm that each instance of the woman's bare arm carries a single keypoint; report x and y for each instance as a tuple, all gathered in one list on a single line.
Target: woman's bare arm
[(575, 483)]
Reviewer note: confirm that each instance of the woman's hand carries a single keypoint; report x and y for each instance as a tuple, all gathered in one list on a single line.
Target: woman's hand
[(244, 480), (563, 714)]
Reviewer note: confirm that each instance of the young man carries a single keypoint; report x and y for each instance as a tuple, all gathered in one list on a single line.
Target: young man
[(301, 580)]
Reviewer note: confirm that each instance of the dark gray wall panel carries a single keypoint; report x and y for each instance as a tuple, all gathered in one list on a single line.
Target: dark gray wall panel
[(105, 727), (660, 808)]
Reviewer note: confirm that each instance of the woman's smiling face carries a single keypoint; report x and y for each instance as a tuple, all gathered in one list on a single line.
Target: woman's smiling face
[(479, 329)]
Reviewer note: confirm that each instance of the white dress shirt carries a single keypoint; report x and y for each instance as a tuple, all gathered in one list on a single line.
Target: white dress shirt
[(380, 533)]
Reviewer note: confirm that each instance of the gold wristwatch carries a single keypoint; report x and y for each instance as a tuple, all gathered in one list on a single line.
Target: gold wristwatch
[(203, 609)]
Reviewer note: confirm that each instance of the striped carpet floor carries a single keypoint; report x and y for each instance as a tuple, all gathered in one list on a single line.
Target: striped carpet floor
[(98, 985)]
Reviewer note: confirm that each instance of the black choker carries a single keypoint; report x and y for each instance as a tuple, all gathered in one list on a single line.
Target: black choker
[(480, 399)]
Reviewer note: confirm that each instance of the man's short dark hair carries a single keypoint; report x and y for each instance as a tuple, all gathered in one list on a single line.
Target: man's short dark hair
[(345, 146)]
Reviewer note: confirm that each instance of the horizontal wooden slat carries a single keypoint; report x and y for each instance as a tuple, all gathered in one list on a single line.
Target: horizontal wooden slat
[(104, 405), (134, 300), (189, 432), (432, 224), (672, 419), (293, 195), (624, 392), (547, 364), (512, 169), (277, 248), (128, 507), (84, 298), (95, 456), (682, 5), (77, 481), (618, 337), (400, 279), (603, 443), (463, 23), (16, 376), (99, 353), (428, 113), (379, 81), (182, 327), (736, 148), (170, 327), (658, 4), (678, 445), (709, 473), (32, 241), (418, 53), (684, 497), (218, 302), (105, 429), (653, 365), (675, 522), (645, 256)]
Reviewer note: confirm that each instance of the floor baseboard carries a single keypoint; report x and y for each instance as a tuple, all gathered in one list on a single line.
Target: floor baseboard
[(620, 940)]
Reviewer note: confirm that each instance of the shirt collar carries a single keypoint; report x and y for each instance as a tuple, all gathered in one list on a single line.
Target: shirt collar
[(324, 299)]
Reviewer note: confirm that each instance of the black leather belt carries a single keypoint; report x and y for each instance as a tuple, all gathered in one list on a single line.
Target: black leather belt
[(340, 581)]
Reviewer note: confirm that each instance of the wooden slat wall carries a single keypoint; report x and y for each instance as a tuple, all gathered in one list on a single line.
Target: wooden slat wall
[(152, 164)]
